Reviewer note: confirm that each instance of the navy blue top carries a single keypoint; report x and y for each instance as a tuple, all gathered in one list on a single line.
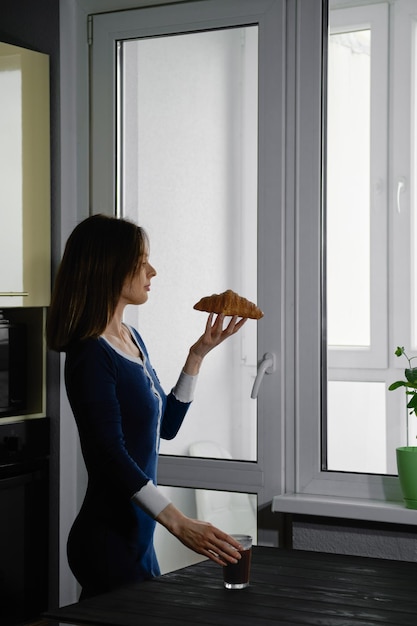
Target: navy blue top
[(121, 412)]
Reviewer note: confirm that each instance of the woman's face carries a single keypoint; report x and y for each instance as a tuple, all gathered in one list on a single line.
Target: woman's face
[(136, 288)]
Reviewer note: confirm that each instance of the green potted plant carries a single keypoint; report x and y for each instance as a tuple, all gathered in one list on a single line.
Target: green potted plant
[(407, 455)]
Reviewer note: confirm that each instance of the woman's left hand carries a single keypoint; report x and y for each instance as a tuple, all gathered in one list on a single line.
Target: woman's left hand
[(213, 336), (200, 536)]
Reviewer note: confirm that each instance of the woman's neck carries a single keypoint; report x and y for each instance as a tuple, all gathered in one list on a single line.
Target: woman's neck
[(118, 334)]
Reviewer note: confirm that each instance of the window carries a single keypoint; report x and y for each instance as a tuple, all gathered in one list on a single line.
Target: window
[(188, 138), (368, 233), (335, 470), (356, 243)]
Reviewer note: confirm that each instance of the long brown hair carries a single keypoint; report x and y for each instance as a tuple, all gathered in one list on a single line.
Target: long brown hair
[(100, 254)]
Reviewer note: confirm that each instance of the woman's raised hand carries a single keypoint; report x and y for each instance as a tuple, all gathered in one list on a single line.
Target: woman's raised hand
[(213, 336)]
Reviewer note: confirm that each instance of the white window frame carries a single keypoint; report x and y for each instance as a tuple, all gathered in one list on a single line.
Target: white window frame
[(307, 489), (402, 172), (258, 477)]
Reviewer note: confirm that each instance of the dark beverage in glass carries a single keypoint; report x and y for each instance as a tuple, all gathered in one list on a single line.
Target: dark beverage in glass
[(236, 575)]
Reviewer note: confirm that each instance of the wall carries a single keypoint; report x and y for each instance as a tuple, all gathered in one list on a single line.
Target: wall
[(338, 536)]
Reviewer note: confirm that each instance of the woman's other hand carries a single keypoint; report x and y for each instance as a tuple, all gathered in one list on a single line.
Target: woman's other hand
[(201, 537), (213, 336)]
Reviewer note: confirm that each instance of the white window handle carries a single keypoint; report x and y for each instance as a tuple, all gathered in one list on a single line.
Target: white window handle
[(266, 366), (400, 190)]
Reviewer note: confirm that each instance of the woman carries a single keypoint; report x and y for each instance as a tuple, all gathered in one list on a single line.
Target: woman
[(120, 408)]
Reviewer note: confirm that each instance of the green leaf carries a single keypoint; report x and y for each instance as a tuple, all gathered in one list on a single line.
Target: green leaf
[(399, 351), (397, 384), (411, 375), (413, 402)]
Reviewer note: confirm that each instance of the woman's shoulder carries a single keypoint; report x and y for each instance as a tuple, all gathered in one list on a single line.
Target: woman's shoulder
[(87, 349), (90, 360)]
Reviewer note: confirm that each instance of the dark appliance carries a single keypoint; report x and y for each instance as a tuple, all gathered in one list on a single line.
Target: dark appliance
[(24, 517), (12, 367)]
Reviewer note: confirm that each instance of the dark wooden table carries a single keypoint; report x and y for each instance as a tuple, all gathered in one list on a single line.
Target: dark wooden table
[(288, 587)]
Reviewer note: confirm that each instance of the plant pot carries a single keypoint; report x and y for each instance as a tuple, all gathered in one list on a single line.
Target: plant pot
[(407, 473)]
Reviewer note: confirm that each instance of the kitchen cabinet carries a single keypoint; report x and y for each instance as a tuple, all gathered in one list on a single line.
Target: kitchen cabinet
[(24, 521), (24, 178), (32, 367)]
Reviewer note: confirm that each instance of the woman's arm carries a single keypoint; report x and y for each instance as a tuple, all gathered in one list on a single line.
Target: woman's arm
[(202, 537)]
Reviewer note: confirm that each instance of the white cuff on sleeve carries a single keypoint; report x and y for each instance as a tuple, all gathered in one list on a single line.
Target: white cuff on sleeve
[(184, 389), (151, 500)]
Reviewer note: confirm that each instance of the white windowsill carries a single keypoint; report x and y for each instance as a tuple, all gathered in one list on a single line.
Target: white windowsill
[(346, 508)]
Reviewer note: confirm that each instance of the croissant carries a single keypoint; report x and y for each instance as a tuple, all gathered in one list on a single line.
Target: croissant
[(229, 303)]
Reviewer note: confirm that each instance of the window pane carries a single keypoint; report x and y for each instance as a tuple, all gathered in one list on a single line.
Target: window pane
[(188, 172), (348, 190), (356, 427)]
